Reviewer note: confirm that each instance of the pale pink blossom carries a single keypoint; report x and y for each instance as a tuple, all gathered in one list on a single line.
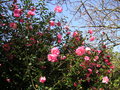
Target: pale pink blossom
[(80, 51), (31, 13), (90, 31), (105, 79), (87, 58), (63, 57), (58, 9), (55, 51), (96, 58), (52, 57), (92, 38), (52, 23), (87, 49), (42, 79), (66, 27)]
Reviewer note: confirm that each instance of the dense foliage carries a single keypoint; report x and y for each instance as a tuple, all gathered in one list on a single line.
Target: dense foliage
[(38, 52)]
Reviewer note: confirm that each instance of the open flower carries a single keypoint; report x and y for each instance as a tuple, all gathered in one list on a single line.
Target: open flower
[(55, 51), (58, 9), (80, 51), (105, 79), (42, 79), (52, 58)]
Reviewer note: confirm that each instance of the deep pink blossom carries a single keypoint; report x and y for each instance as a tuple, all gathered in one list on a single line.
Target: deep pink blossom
[(105, 79), (90, 31), (58, 9), (17, 12), (59, 36), (80, 51), (58, 24), (13, 25), (92, 38), (52, 23), (55, 51), (52, 58), (75, 34), (42, 79)]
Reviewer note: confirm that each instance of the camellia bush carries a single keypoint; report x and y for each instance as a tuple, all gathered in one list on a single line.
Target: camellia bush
[(38, 52)]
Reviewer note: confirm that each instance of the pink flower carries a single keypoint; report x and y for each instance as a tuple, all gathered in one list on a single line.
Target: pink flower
[(63, 57), (17, 12), (8, 80), (68, 33), (55, 51), (52, 58), (58, 9), (80, 51), (31, 13), (59, 36), (42, 79), (96, 58), (90, 31), (59, 41), (58, 24), (52, 23), (105, 79), (75, 34), (87, 49), (66, 27), (87, 58), (90, 70), (92, 38), (13, 25)]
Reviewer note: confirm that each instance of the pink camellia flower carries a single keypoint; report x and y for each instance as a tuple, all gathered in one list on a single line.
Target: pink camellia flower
[(58, 9), (13, 25), (87, 49), (90, 31), (59, 41), (66, 27), (105, 79), (55, 51), (63, 57), (90, 70), (52, 58), (87, 58), (92, 38), (42, 79), (75, 34), (30, 13), (8, 80), (80, 51), (59, 36), (68, 33), (17, 12), (58, 24), (52, 23), (75, 84), (112, 67), (96, 58)]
